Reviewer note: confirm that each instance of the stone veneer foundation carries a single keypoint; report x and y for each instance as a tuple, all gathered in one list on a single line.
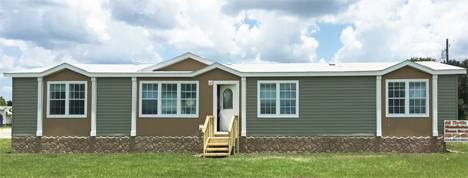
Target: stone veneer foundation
[(189, 144)]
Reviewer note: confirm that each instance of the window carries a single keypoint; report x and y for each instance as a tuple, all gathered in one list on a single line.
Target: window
[(169, 99), (66, 99), (150, 98), (188, 98), (278, 98), (407, 98), (227, 99)]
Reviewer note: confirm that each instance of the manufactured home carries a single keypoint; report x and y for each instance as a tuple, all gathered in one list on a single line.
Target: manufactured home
[(192, 104)]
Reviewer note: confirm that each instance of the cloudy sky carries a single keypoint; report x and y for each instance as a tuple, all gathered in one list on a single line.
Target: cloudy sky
[(40, 33)]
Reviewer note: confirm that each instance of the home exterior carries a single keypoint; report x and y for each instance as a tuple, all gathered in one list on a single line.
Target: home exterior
[(310, 107), (5, 115)]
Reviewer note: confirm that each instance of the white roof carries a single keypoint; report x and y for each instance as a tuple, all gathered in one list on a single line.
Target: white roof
[(96, 68), (244, 70), (438, 66), (311, 67)]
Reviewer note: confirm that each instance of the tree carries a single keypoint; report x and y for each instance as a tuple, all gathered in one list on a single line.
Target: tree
[(462, 89), (414, 59), (9, 103), (2, 101), (461, 110)]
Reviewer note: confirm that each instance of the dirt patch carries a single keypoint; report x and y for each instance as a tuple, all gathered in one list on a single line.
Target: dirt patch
[(199, 164), (198, 155), (454, 151), (361, 156)]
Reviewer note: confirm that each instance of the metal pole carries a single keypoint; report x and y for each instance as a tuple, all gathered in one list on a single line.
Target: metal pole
[(446, 50)]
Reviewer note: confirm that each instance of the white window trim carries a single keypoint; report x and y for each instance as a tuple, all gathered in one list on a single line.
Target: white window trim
[(159, 115), (277, 115), (67, 99), (407, 114)]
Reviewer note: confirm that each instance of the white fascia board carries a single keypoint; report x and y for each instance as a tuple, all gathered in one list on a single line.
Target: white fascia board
[(248, 74), (178, 59), (449, 72), (49, 71)]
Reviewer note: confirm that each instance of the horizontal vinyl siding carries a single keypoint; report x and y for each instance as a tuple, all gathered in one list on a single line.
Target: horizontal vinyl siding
[(447, 88), (328, 106), (114, 106), (24, 106)]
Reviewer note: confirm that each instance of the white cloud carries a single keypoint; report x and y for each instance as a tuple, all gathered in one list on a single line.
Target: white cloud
[(351, 46), (398, 30)]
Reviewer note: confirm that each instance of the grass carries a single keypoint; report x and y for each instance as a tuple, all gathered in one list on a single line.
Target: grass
[(5, 127), (242, 165)]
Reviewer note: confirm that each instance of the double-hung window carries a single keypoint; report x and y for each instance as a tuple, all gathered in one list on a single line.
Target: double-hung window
[(169, 99), (278, 98), (66, 99), (407, 98)]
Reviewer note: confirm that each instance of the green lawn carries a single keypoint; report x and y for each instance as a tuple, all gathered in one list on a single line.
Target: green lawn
[(5, 127), (242, 165)]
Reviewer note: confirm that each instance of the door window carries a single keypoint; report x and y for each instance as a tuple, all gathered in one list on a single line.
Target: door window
[(227, 99)]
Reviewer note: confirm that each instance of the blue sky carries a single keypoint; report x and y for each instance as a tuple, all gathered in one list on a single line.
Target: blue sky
[(49, 32)]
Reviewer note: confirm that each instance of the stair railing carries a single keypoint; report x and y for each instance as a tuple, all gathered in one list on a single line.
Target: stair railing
[(233, 134), (208, 131)]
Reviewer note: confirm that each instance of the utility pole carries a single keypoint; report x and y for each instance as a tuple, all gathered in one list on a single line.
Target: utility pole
[(446, 50)]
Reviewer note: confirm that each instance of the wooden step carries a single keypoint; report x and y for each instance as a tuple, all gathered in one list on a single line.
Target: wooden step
[(219, 139), (221, 134), (216, 154), (218, 144), (217, 149)]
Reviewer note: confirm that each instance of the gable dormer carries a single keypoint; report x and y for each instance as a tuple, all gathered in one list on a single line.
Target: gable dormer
[(185, 62), (188, 64)]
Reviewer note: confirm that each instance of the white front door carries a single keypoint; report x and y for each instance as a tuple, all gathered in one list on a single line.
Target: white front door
[(227, 104)]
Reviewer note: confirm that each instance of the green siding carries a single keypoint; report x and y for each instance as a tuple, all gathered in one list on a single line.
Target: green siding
[(114, 106), (24, 106), (328, 106), (447, 91)]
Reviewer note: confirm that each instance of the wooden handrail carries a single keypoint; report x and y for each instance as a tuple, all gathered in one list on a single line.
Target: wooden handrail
[(205, 126), (208, 131), (233, 134)]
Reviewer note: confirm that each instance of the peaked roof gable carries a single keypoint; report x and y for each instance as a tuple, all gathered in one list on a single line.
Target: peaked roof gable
[(64, 66), (407, 63), (176, 60)]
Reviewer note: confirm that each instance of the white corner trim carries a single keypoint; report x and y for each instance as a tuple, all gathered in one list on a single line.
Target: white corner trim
[(435, 113), (244, 107), (378, 101), (93, 106), (134, 106), (39, 106)]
